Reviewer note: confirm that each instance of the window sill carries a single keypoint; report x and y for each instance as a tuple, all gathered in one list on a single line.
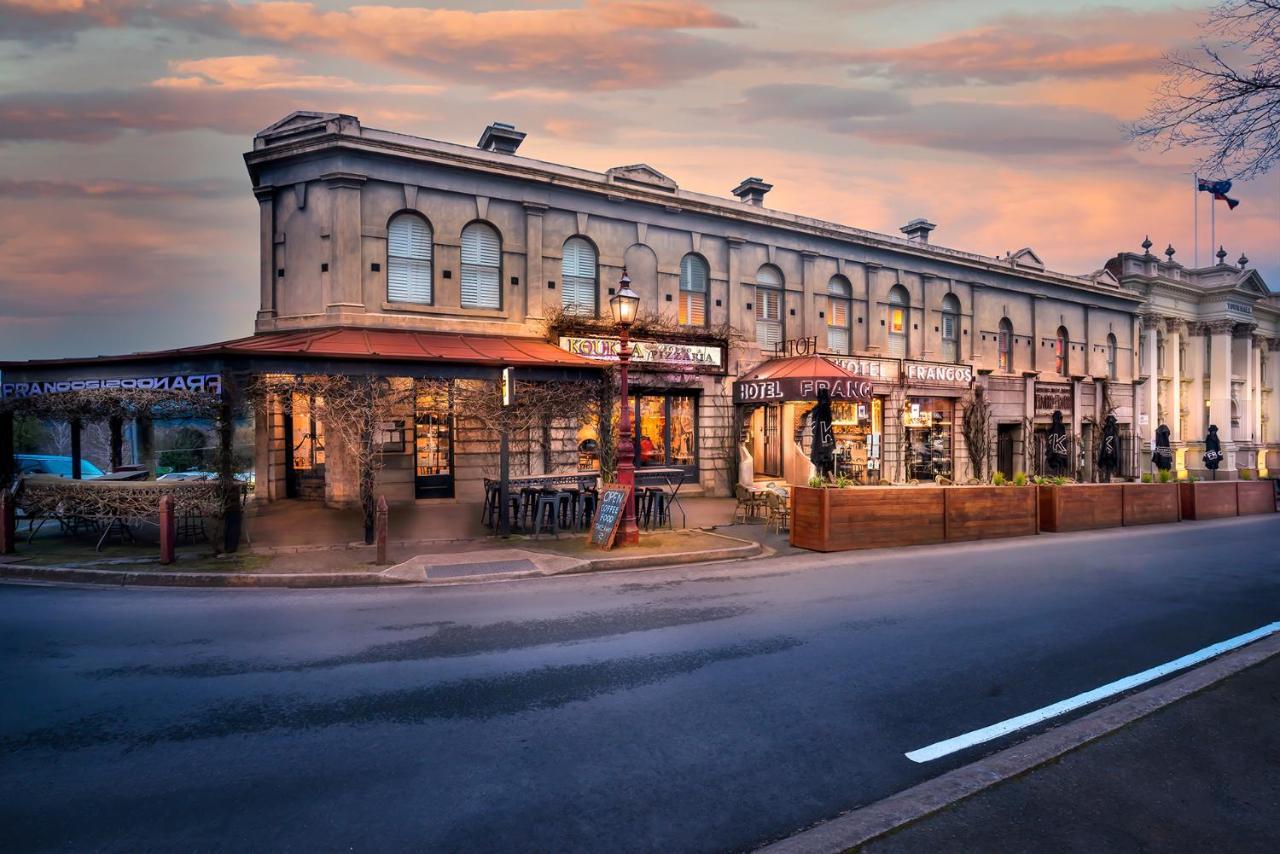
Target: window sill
[(456, 311)]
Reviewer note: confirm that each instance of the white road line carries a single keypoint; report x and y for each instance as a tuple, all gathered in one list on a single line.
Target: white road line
[(978, 736)]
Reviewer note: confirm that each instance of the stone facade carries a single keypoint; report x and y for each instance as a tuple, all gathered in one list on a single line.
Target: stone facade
[(1208, 356), (328, 190)]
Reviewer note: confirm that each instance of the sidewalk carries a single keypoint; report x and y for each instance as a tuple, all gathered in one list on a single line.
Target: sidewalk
[(1202, 774)]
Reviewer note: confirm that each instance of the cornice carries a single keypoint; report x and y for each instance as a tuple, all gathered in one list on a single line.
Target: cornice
[(572, 178)]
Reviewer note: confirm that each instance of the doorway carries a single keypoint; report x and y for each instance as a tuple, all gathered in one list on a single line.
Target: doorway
[(771, 461), (305, 439), (1008, 437), (433, 441)]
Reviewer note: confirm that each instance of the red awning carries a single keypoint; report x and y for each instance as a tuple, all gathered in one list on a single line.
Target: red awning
[(368, 344), (799, 378)]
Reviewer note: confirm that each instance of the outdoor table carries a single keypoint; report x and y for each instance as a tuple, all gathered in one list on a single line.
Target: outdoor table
[(673, 479)]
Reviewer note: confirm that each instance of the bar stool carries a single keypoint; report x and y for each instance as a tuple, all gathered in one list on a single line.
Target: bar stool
[(570, 511), (529, 506), (655, 504), (547, 514), (489, 512), (590, 499)]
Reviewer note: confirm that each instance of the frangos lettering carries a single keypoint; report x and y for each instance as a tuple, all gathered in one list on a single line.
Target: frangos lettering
[(208, 383)]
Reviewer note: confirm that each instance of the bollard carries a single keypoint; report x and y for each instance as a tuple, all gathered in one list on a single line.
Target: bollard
[(168, 530), (8, 523), (380, 528)]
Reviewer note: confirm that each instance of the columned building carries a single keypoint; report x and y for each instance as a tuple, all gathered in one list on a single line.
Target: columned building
[(1208, 355)]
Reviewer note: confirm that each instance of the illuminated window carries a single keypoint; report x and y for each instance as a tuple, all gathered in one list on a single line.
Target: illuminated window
[(899, 302), (1004, 346)]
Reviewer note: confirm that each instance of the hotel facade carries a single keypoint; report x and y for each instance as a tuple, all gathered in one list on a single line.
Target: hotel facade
[(438, 261)]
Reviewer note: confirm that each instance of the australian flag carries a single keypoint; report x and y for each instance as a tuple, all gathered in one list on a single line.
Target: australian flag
[(1219, 190)]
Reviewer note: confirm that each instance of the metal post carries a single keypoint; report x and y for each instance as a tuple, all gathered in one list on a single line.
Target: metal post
[(504, 456), (75, 449), (168, 530), (380, 526), (628, 532)]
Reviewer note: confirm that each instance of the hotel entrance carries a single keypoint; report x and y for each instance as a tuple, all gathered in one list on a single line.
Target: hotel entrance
[(305, 439)]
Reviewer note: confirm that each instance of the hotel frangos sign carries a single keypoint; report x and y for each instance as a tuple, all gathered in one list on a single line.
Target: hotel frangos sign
[(209, 383), (697, 356), (937, 373), (799, 388)]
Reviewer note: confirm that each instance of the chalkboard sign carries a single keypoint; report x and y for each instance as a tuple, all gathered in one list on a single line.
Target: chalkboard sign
[(613, 499)]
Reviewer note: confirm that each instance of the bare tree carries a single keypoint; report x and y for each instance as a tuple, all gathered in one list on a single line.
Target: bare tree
[(1224, 98)]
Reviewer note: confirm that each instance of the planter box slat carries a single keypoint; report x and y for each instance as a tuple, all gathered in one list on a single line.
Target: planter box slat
[(1255, 496), (988, 512), (1081, 506), (1208, 499), (1151, 503)]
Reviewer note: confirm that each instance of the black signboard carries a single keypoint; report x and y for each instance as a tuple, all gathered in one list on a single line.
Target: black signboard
[(613, 500)]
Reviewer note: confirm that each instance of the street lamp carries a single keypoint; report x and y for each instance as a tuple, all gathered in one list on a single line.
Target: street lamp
[(625, 303)]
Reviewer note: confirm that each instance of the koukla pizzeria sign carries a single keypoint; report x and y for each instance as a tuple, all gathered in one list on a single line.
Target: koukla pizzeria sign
[(705, 357), (206, 383)]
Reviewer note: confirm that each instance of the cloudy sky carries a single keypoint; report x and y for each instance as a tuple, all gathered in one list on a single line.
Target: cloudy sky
[(127, 223)]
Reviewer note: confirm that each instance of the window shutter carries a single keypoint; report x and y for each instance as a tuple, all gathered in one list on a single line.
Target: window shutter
[(693, 291), (409, 260), (578, 276), (481, 267)]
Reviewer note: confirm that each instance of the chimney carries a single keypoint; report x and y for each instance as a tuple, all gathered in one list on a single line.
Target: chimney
[(918, 230), (752, 191), (501, 137)]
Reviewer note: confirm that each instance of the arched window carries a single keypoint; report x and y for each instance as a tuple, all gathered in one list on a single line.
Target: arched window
[(693, 291), (1112, 347), (768, 306), (481, 279), (409, 259), (578, 277), (950, 328), (1004, 346), (899, 302), (1062, 362), (839, 295)]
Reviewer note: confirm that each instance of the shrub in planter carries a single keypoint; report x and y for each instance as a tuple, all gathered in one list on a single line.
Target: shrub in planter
[(1146, 477), (1246, 474), (817, 482), (998, 479), (1019, 478), (1166, 476)]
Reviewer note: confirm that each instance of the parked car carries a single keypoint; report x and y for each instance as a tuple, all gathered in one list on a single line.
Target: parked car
[(188, 475), (54, 465)]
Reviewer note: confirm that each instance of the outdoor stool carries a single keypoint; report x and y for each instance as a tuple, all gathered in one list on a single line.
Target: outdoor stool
[(570, 510), (489, 512), (547, 514), (655, 507), (590, 498), (529, 506)]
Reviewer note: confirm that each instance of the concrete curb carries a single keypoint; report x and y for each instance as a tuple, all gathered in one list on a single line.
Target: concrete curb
[(883, 818), (72, 575)]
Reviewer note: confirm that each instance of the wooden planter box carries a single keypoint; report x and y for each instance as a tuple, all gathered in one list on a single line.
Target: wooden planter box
[(871, 517), (1081, 506), (988, 512), (1208, 499), (1255, 496), (1151, 503)]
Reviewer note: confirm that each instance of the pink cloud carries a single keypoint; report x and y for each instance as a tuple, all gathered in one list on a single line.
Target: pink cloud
[(264, 71)]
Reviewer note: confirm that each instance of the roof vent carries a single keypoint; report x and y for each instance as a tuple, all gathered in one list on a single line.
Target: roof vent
[(752, 191), (501, 137), (918, 230)]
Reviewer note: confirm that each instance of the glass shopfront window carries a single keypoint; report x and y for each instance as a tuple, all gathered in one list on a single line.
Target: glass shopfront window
[(927, 427), (859, 432), (665, 428)]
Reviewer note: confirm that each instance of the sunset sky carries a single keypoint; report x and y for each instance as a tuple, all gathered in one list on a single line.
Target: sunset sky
[(127, 221)]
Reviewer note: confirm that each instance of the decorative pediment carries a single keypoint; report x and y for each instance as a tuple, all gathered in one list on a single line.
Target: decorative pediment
[(1026, 257), (304, 123), (641, 173), (1252, 283), (1105, 277)]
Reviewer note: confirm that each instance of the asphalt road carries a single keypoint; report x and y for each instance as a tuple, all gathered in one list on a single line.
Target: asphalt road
[(702, 709)]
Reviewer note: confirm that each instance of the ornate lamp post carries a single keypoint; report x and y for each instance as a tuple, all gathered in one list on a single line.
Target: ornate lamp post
[(625, 303)]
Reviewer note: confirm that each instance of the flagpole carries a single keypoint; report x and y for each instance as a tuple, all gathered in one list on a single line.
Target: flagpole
[(1195, 206), (1213, 226)]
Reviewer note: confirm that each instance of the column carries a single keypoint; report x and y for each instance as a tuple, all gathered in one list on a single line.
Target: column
[(116, 425), (145, 452), (75, 448), (1172, 356), (1151, 390), (530, 305), (1259, 343), (1273, 380), (7, 467), (1195, 396), (346, 290), (1220, 334), (266, 197)]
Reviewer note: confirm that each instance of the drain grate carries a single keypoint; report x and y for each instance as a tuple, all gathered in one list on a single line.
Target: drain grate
[(460, 570)]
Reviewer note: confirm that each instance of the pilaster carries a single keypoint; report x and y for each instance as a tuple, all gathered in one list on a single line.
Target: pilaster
[(527, 301), (1220, 334), (345, 258), (266, 197)]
